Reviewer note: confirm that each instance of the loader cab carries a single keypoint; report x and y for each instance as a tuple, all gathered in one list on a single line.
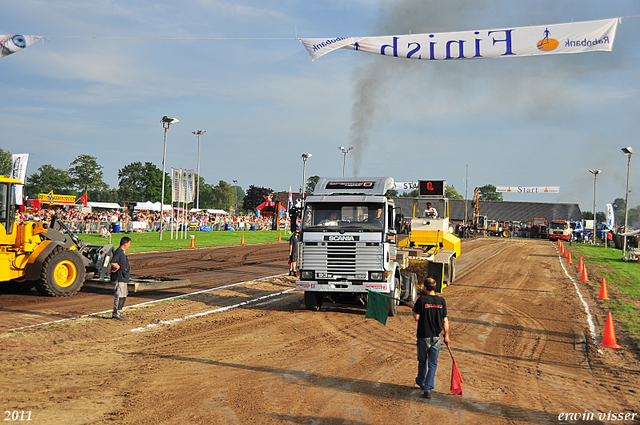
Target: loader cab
[(7, 208)]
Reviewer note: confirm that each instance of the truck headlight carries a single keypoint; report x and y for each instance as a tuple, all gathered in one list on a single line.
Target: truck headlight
[(306, 274), (376, 276)]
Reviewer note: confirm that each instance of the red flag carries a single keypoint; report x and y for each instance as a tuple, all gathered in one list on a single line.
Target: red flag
[(83, 198), (456, 379)]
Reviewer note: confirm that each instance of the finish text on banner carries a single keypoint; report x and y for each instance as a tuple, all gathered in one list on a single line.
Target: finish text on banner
[(574, 37)]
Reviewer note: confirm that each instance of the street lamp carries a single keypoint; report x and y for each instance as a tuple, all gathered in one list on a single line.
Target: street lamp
[(595, 191), (166, 122), (235, 192), (345, 151), (198, 133), (627, 151), (305, 156)]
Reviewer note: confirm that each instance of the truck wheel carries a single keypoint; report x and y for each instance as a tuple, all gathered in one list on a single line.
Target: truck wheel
[(395, 300), (413, 281), (62, 274), (452, 269), (313, 300)]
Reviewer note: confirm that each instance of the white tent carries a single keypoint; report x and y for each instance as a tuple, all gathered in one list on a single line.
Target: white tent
[(223, 212), (104, 205), (147, 206), (151, 206)]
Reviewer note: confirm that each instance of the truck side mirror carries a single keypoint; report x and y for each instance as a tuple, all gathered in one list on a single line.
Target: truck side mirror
[(398, 222)]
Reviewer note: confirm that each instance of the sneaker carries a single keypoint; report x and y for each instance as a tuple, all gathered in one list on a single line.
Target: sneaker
[(420, 385), (121, 318), (427, 394)]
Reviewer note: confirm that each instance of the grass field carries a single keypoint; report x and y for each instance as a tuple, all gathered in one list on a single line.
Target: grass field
[(150, 241), (623, 280)]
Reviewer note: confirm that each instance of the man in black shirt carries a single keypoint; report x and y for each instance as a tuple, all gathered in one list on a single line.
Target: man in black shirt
[(430, 311), (120, 277)]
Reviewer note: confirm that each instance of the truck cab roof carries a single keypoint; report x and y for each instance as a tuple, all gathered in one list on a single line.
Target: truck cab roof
[(353, 186)]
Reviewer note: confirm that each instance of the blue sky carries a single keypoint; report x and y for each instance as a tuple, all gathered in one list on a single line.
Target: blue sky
[(528, 121)]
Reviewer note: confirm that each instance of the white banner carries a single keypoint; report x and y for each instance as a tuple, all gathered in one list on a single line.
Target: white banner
[(528, 189), (611, 218), (175, 185), (574, 37), (190, 181), (11, 43), (405, 185), (19, 171)]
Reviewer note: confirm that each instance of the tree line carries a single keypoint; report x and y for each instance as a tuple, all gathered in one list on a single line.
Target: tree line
[(137, 182)]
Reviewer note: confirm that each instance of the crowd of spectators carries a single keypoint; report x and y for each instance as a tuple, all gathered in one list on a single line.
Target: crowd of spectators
[(96, 221)]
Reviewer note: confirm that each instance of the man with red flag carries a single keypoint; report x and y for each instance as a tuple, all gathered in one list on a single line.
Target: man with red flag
[(430, 311)]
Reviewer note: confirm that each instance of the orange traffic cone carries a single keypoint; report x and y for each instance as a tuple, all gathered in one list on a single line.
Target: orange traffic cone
[(569, 259), (193, 241), (604, 295), (561, 248), (585, 276), (279, 237), (242, 239), (580, 265), (609, 339)]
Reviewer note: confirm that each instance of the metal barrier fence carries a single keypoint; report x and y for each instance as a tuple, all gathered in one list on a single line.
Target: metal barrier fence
[(154, 226)]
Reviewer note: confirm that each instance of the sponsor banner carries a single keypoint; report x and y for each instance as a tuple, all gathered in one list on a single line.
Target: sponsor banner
[(11, 43), (405, 185), (56, 199), (190, 182), (574, 37), (175, 185), (528, 189), (19, 171), (611, 218)]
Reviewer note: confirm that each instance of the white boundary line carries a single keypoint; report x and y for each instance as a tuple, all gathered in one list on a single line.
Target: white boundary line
[(218, 310), (145, 303), (592, 327)]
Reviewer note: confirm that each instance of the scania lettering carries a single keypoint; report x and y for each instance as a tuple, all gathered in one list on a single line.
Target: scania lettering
[(348, 245)]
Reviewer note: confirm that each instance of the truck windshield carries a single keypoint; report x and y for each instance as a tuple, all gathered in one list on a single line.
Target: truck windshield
[(556, 225), (329, 216)]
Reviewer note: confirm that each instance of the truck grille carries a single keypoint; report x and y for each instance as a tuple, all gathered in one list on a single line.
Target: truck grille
[(341, 258)]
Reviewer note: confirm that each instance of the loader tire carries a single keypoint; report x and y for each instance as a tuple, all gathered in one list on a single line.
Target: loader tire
[(62, 274)]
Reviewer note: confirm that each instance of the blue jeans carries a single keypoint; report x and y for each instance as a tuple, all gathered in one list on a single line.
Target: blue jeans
[(428, 352)]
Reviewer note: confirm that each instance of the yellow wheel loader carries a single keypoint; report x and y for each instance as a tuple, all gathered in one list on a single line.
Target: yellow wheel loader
[(45, 255)]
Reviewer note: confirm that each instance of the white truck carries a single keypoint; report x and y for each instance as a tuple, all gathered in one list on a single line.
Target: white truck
[(349, 245)]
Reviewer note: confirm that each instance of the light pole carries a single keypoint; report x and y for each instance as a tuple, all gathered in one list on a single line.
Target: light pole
[(345, 151), (627, 151), (235, 192), (198, 133), (166, 122), (305, 156), (595, 192)]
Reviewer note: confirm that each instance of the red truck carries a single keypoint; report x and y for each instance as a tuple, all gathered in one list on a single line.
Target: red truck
[(559, 229)]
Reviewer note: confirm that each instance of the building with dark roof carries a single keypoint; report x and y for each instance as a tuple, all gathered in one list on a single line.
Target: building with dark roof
[(495, 210)]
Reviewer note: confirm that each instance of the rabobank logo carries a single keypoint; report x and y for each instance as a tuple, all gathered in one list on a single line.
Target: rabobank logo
[(547, 43)]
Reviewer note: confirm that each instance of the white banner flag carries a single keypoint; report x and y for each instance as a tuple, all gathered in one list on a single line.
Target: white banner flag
[(405, 185), (611, 218), (11, 43), (190, 194), (19, 171), (528, 189), (175, 185), (574, 37)]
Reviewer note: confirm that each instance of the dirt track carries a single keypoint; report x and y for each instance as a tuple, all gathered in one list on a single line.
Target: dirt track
[(517, 330)]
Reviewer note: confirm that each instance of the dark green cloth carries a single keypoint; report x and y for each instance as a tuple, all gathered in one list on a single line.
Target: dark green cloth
[(378, 307)]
